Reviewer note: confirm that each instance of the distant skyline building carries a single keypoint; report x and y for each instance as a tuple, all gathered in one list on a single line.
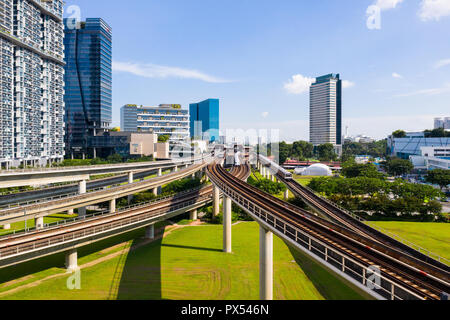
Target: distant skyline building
[(442, 123), (88, 78), (166, 119), (31, 82), (205, 120), (326, 111)]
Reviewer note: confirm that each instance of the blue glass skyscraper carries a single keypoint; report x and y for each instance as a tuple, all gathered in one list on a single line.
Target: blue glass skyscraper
[(88, 79), (205, 120)]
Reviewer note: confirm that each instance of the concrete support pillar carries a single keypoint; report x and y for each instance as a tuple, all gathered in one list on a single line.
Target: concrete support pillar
[(286, 195), (159, 172), (6, 226), (82, 190), (175, 169), (216, 201), (112, 205), (39, 223), (130, 177), (155, 191), (70, 212), (130, 180), (227, 224), (265, 264), (150, 232), (72, 260), (193, 215), (261, 171)]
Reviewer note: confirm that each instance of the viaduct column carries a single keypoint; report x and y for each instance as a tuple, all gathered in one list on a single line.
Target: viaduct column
[(265, 264), (82, 190), (112, 205), (286, 194), (159, 190), (226, 224), (130, 180), (193, 215), (216, 201), (72, 260), (39, 223), (150, 232)]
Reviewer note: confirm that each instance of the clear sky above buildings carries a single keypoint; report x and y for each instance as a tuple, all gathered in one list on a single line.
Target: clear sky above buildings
[(258, 57)]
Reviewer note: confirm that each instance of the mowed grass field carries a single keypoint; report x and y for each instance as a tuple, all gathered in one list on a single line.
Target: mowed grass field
[(431, 236), (188, 264)]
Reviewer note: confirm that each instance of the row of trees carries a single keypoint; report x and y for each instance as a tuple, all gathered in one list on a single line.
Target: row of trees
[(435, 133), (376, 198), (302, 150)]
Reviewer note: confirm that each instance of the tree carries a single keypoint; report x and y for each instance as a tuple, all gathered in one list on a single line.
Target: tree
[(163, 138), (115, 158), (439, 177), (116, 129), (398, 167), (399, 134), (350, 169), (302, 150), (436, 133), (285, 151), (326, 152)]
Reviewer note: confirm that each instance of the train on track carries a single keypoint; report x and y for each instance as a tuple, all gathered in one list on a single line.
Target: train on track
[(280, 170)]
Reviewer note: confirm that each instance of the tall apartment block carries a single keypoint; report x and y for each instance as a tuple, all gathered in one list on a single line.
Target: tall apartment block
[(326, 111), (442, 123), (88, 78), (31, 82), (205, 120), (165, 119)]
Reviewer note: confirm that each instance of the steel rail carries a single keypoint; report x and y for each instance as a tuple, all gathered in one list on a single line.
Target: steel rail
[(98, 223), (293, 215)]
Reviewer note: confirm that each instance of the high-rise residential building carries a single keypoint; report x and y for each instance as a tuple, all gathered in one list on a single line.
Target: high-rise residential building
[(442, 123), (326, 111), (205, 120), (88, 78), (164, 120), (31, 82)]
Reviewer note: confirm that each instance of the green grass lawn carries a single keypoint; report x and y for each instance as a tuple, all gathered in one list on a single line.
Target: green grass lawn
[(303, 180), (431, 236), (20, 226), (189, 264)]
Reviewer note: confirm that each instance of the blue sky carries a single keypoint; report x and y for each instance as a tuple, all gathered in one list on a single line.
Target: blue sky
[(258, 56)]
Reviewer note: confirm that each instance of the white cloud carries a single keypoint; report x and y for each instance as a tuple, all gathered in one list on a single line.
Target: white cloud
[(157, 71), (397, 76), (442, 63), (434, 9), (428, 92), (387, 4), (347, 84), (265, 114), (298, 84)]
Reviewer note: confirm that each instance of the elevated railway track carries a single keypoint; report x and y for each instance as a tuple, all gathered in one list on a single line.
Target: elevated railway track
[(20, 248), (348, 253)]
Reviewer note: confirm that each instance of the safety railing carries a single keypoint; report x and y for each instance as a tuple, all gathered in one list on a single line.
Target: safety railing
[(118, 188), (105, 166), (414, 246), (118, 224), (100, 214), (369, 276)]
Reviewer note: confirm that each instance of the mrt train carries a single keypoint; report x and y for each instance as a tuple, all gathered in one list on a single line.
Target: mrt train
[(280, 171)]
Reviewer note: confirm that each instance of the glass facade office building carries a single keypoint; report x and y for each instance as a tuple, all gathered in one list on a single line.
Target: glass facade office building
[(164, 120), (205, 120), (326, 110), (88, 79), (31, 82)]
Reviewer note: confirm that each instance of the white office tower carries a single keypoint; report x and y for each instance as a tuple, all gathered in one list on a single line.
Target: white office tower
[(31, 82), (326, 111)]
